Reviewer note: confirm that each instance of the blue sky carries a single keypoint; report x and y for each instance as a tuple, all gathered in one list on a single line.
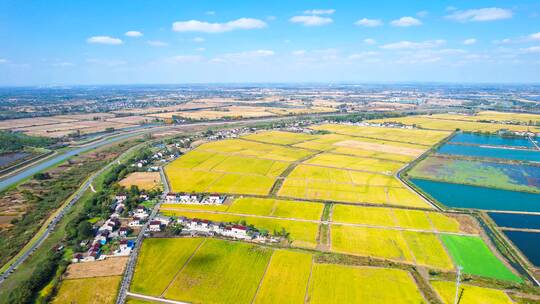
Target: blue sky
[(173, 41)]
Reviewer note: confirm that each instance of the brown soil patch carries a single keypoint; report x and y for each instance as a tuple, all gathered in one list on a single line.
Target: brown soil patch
[(143, 180), (379, 147), (467, 223), (108, 267)]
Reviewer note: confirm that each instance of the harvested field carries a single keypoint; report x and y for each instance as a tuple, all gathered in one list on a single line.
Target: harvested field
[(386, 148), (346, 284), (143, 180), (100, 290), (279, 137), (355, 163), (109, 267)]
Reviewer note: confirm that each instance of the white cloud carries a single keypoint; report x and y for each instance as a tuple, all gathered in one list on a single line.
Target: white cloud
[(370, 41), (469, 41), (363, 55), (185, 58), (250, 54), (106, 62), (210, 13), (409, 45), (104, 40), (299, 53), (320, 12), (2, 60), (532, 49), (271, 18), (535, 36), (207, 27), (133, 34), (201, 49), (422, 14), (199, 39), (406, 22), (311, 20), (369, 22), (481, 14), (157, 43)]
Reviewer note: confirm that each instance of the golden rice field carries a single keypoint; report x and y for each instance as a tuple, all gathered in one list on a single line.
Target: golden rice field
[(355, 163), (279, 137), (346, 284), (211, 275), (494, 116), (100, 290), (331, 184), (405, 246), (390, 217), (286, 278), (438, 122), (302, 234), (414, 136), (469, 294)]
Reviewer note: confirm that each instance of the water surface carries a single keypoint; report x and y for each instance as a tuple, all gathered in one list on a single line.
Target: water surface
[(512, 220), (528, 243)]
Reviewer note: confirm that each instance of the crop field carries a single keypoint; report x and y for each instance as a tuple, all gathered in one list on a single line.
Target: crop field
[(414, 136), (302, 234), (405, 246), (221, 272), (143, 180), (389, 217), (469, 294), (436, 122), (100, 290), (371, 152), (355, 163), (322, 183), (158, 262), (494, 116), (285, 279), (277, 208), (476, 258), (334, 284), (280, 137), (479, 173)]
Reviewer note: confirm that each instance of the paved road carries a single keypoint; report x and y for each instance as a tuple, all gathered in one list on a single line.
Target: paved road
[(128, 273)]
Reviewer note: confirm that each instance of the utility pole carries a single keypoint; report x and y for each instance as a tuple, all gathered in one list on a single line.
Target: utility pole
[(459, 268)]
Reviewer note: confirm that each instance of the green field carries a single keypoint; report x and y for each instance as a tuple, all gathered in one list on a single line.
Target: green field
[(159, 261), (100, 290), (478, 173), (346, 284), (469, 294), (221, 272), (476, 258), (302, 234), (285, 279)]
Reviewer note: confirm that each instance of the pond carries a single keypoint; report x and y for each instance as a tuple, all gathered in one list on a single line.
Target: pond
[(466, 196), (476, 139), (527, 242), (513, 220)]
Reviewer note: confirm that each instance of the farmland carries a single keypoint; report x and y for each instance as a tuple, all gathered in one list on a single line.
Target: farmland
[(275, 275), (143, 180), (476, 258), (469, 294), (332, 284), (100, 290)]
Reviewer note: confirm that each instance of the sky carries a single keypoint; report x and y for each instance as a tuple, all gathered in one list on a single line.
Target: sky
[(178, 41)]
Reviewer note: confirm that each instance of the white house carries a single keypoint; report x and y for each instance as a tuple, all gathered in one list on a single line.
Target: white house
[(154, 226)]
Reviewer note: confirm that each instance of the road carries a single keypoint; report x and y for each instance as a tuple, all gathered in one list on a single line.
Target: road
[(128, 273), (52, 224)]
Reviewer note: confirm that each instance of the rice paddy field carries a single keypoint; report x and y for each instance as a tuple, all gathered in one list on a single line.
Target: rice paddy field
[(405, 246), (443, 122), (399, 218), (211, 275), (346, 284), (471, 253), (469, 294), (479, 173), (100, 290)]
